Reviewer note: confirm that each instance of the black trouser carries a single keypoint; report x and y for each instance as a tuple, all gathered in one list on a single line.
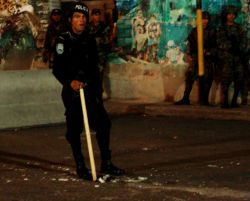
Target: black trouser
[(98, 121), (232, 71), (205, 81)]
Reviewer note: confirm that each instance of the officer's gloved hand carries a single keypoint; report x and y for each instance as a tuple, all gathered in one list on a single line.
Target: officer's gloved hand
[(77, 85)]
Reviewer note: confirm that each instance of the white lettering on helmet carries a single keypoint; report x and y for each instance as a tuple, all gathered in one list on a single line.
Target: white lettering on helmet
[(81, 7)]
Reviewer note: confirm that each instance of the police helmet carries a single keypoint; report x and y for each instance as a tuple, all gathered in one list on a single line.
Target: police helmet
[(78, 7)]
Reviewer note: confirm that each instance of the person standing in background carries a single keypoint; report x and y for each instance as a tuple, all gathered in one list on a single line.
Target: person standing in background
[(232, 48), (209, 48), (100, 31), (55, 27)]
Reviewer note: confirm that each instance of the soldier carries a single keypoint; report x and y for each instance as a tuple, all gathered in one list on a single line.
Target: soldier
[(54, 29), (232, 47), (75, 66), (100, 32), (209, 65)]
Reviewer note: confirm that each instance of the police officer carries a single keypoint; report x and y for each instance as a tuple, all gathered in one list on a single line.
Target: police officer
[(209, 48), (232, 46), (75, 66)]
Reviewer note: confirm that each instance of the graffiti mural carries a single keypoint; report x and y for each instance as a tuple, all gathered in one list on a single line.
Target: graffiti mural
[(153, 31), (21, 34), (156, 30)]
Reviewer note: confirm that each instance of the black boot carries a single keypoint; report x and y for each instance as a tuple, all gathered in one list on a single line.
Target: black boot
[(183, 101), (82, 171), (204, 97), (225, 99), (234, 103), (108, 168)]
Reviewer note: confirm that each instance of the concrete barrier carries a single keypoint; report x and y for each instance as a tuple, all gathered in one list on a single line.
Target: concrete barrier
[(29, 98), (135, 81), (33, 97)]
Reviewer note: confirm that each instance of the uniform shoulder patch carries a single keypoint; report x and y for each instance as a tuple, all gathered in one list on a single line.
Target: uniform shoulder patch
[(59, 48)]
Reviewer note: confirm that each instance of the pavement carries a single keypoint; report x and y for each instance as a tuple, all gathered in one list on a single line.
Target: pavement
[(123, 107), (169, 152)]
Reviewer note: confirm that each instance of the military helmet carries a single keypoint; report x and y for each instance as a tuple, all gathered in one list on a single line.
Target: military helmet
[(56, 11), (78, 7), (205, 15), (227, 10), (95, 11), (231, 9)]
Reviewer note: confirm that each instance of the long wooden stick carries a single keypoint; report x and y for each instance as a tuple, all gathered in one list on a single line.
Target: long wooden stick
[(88, 137)]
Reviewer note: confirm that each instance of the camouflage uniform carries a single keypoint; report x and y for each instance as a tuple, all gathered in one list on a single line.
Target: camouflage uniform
[(209, 65), (232, 46), (55, 28), (101, 34), (246, 84)]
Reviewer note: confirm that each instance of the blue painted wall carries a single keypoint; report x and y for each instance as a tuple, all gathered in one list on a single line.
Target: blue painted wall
[(175, 19)]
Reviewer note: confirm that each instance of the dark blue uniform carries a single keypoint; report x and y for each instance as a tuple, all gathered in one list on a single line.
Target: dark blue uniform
[(76, 58)]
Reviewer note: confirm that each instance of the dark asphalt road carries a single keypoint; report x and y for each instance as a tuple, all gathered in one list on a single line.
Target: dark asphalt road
[(172, 158)]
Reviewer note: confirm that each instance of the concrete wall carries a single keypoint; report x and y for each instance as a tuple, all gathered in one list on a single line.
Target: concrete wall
[(29, 98), (33, 97), (147, 82)]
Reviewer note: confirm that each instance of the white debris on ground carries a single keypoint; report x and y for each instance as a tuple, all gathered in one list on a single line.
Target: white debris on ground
[(135, 180)]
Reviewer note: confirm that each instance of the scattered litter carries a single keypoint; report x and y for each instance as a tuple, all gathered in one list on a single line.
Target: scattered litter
[(97, 186), (104, 178), (63, 179), (142, 178), (145, 149), (115, 180), (63, 168), (8, 181), (26, 179), (231, 163), (157, 184), (101, 180), (135, 180)]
